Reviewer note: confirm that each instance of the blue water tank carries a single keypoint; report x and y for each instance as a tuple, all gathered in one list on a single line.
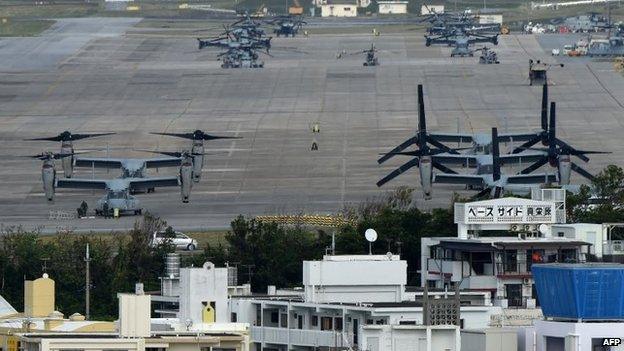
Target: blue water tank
[(589, 291)]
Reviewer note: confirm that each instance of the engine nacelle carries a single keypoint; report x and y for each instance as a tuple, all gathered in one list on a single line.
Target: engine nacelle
[(68, 161), (48, 177), (186, 181), (198, 161), (565, 169), (426, 175)]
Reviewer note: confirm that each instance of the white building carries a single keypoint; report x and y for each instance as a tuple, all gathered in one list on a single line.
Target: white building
[(205, 297), (392, 7), (342, 296), (339, 8), (411, 337), (355, 279), (604, 247), (570, 336), (500, 264)]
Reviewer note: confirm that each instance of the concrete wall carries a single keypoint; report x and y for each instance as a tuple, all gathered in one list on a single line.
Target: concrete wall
[(339, 10), (39, 297), (198, 288), (490, 339), (388, 8), (351, 279), (134, 315), (581, 334), (410, 337)]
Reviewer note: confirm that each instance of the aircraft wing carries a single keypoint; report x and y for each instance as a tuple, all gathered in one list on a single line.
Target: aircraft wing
[(482, 40), (158, 182), (456, 159), (97, 162), (468, 179), (71, 183), (452, 137), (526, 157), (531, 178), (163, 162), (507, 137)]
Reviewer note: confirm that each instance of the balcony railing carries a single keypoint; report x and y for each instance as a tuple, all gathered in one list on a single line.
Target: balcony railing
[(300, 337)]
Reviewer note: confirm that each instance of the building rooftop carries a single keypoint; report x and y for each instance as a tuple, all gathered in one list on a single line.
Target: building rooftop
[(5, 308)]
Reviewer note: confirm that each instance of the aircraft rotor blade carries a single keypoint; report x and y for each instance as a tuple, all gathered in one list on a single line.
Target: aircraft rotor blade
[(412, 163), (532, 168), (578, 169), (442, 167), (404, 145)]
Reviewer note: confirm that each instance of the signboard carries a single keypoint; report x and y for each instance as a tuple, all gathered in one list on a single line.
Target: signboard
[(508, 212)]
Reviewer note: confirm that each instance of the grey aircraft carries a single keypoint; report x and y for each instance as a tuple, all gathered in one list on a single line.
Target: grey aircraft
[(461, 41), (489, 177), (130, 167), (67, 147), (197, 150), (118, 191), (557, 154)]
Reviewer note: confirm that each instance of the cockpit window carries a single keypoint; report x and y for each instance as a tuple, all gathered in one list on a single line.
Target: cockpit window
[(117, 194)]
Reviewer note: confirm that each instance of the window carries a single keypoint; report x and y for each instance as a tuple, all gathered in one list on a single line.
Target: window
[(514, 295), (338, 323), (560, 234), (274, 317), (347, 9), (314, 321), (233, 317), (284, 320), (326, 323)]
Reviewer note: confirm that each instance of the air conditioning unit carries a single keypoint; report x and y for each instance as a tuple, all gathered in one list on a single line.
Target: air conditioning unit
[(526, 281)]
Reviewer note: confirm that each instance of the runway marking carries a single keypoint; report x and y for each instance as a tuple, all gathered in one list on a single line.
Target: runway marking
[(602, 85)]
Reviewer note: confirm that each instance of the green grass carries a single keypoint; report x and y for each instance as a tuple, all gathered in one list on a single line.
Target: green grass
[(23, 28), (47, 11)]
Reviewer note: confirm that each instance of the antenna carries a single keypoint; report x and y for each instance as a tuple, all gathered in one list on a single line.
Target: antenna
[(371, 237), (87, 283)]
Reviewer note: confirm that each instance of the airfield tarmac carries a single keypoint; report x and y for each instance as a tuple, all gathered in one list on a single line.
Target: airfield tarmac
[(105, 75)]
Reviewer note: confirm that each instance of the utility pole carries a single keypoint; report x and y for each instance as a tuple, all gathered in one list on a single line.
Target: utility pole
[(87, 283)]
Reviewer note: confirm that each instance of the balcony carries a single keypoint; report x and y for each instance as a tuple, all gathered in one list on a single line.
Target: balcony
[(299, 337), (455, 270)]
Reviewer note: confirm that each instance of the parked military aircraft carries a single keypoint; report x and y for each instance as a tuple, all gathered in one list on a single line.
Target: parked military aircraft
[(461, 41), (558, 154), (67, 147), (118, 191), (286, 25), (130, 167), (371, 55), (197, 148), (489, 176), (481, 142)]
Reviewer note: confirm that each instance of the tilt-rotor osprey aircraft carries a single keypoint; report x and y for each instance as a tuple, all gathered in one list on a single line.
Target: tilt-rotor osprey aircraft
[(557, 153), (197, 150), (461, 40), (67, 147), (427, 158), (131, 167), (489, 176), (481, 143), (118, 191)]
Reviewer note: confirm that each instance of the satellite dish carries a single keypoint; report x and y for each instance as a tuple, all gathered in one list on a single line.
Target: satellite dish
[(543, 228), (371, 235)]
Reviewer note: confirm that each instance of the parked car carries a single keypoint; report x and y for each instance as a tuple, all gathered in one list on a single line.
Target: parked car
[(180, 240)]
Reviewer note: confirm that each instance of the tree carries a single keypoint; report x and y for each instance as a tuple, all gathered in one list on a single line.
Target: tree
[(603, 202)]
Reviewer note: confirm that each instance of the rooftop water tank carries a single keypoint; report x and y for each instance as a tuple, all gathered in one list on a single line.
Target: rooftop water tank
[(589, 291)]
